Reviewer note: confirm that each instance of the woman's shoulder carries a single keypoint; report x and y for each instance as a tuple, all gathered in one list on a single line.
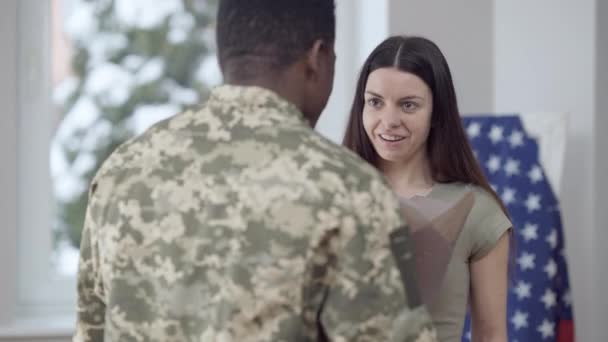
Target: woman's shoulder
[(486, 221), (486, 203), (484, 199), (486, 210)]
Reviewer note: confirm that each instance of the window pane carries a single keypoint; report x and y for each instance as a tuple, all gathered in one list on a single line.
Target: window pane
[(118, 67)]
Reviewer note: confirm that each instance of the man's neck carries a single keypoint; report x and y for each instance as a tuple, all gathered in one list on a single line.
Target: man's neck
[(283, 86)]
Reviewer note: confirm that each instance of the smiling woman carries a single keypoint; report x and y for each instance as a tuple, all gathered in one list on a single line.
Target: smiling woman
[(405, 121), (397, 115)]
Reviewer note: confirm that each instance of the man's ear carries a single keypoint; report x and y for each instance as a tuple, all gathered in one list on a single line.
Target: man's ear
[(314, 58)]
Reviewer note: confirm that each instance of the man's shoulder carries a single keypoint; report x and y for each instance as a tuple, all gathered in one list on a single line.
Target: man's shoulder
[(131, 155), (345, 161), (366, 187)]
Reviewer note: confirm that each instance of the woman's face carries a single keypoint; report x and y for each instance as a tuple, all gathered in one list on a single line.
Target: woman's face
[(397, 114)]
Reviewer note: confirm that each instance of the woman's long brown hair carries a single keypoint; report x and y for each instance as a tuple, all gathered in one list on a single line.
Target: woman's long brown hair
[(450, 155)]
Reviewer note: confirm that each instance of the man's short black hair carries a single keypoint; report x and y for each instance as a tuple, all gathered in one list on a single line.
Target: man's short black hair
[(271, 34)]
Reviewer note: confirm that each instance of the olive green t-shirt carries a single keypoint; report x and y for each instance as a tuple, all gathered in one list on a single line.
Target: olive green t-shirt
[(483, 227)]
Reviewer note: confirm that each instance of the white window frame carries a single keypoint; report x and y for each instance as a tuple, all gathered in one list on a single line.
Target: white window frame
[(8, 157), (34, 302), (41, 289)]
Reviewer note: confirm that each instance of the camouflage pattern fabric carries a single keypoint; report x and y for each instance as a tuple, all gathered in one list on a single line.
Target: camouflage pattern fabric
[(238, 222)]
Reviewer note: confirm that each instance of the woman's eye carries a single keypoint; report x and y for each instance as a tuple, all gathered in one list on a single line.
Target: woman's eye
[(409, 106), (373, 102)]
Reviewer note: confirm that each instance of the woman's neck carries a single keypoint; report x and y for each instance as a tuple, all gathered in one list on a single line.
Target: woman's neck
[(410, 178)]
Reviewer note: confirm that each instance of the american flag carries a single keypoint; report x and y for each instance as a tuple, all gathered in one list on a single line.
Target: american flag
[(539, 299)]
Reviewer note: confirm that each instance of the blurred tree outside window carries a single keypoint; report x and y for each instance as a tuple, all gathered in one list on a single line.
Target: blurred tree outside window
[(118, 67)]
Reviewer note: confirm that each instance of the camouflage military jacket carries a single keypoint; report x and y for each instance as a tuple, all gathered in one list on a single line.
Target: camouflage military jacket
[(237, 222)]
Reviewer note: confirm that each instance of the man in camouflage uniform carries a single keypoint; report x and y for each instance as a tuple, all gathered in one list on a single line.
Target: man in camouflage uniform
[(237, 222)]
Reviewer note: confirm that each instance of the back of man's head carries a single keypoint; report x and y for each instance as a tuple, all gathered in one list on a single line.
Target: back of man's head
[(267, 36)]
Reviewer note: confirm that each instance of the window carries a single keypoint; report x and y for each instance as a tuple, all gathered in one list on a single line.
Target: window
[(120, 66), (89, 75)]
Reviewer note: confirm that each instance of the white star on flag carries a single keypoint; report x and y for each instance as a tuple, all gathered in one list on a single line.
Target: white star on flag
[(523, 290), (473, 130), (512, 167), (508, 196), (549, 298), (496, 134), (533, 202), (552, 239), (516, 139), (526, 261), (530, 232), (535, 174), (520, 320), (546, 329), (551, 269), (493, 163)]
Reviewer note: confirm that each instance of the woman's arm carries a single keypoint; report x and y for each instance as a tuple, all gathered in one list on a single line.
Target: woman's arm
[(489, 294)]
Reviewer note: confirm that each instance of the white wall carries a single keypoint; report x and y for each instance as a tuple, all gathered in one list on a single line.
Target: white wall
[(545, 61), (8, 148), (601, 158), (464, 33)]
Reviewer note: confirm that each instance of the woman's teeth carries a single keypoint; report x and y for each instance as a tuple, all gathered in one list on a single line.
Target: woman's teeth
[(391, 138)]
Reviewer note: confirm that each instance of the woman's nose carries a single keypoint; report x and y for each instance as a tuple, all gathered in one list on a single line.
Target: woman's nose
[(391, 120), (392, 124)]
